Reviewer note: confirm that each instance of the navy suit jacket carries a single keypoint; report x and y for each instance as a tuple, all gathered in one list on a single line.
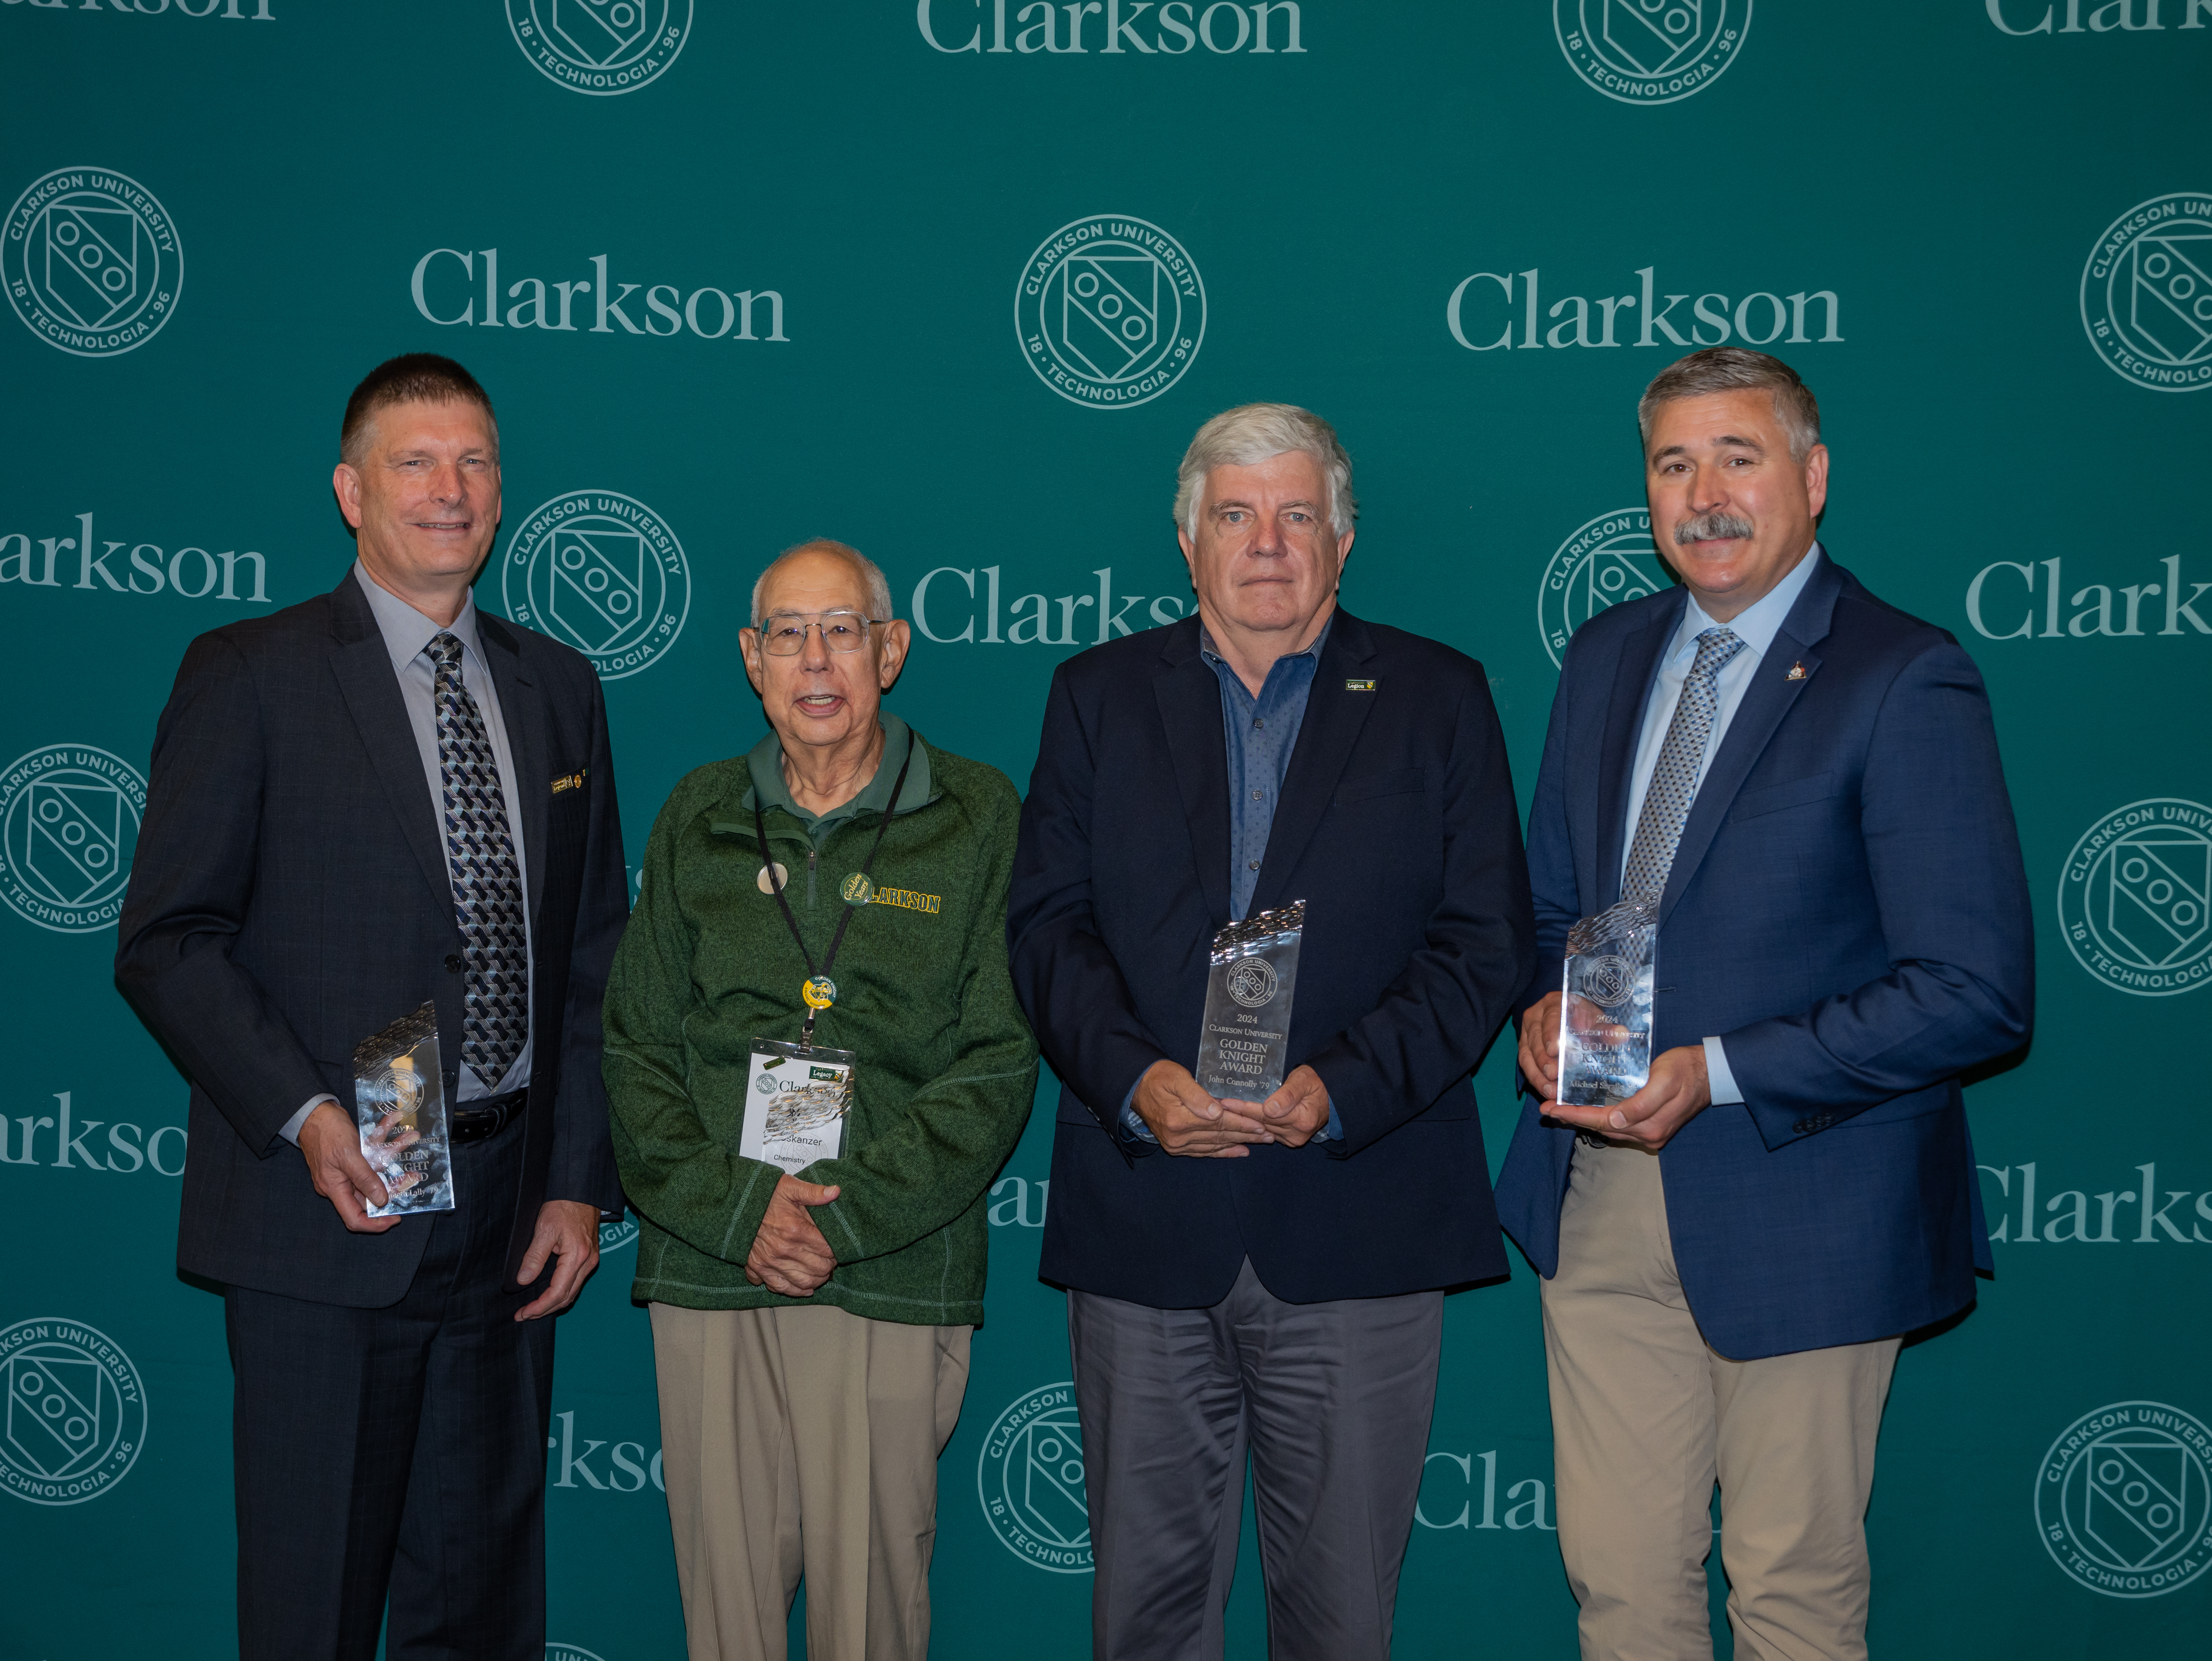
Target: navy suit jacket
[(1398, 828), (291, 896), (1848, 913)]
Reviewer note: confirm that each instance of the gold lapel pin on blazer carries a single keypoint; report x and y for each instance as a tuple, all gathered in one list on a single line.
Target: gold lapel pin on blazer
[(1796, 673), (570, 782), (1359, 686)]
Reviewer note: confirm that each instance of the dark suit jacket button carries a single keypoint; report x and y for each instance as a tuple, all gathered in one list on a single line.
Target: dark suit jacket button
[(453, 964), (1803, 1127)]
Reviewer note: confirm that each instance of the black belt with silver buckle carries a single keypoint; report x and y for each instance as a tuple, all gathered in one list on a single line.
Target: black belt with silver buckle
[(487, 1115)]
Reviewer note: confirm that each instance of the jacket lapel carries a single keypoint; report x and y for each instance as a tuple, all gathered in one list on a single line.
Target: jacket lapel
[(1189, 699), (1326, 737), (363, 668), (1633, 669), (1770, 696), (524, 715)]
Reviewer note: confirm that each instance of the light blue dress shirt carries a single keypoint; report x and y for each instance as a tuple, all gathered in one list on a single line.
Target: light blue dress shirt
[(1258, 735), (1756, 627), (406, 631)]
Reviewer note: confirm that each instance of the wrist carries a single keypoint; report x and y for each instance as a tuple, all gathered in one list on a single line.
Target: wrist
[(326, 1118)]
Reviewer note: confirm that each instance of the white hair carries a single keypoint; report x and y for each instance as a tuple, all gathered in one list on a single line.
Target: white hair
[(879, 587), (1251, 433)]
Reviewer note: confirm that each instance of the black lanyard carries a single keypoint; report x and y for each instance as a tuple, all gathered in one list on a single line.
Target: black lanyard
[(760, 832)]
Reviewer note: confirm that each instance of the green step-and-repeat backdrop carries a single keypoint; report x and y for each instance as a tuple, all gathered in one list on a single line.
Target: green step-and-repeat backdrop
[(956, 282)]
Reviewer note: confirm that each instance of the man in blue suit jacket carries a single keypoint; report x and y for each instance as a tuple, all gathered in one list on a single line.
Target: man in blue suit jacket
[(1806, 782), (1264, 1274)]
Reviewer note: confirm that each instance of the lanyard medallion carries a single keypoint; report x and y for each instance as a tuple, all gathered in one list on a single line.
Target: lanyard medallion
[(819, 992)]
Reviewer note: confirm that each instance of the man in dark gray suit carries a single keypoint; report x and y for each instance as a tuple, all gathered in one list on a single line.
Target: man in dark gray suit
[(374, 800)]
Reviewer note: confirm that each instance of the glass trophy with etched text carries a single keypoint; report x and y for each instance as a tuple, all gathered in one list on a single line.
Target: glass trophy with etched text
[(399, 1106), (1605, 1017), (1250, 980)]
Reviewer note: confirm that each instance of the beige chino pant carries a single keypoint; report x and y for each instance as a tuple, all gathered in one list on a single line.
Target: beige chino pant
[(1646, 1416), (804, 1440)]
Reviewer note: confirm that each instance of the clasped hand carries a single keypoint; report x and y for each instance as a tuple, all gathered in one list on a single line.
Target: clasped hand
[(1190, 1122), (1677, 1092), (789, 1255)]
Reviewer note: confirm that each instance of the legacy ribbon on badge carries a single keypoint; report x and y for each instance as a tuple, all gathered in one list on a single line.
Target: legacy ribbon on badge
[(1250, 980), (400, 1107), (1605, 1015), (797, 1097)]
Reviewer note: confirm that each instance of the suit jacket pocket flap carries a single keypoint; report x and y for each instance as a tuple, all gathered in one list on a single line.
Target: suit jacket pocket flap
[(1073, 1109), (1776, 797), (1380, 784)]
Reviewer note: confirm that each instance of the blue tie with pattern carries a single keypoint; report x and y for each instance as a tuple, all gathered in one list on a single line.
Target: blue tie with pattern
[(1674, 780), (487, 879)]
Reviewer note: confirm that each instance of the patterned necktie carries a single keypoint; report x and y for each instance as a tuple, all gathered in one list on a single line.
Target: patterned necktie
[(487, 879), (1674, 780)]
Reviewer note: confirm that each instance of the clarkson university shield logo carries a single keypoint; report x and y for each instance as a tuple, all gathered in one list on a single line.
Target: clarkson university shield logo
[(1031, 1481)]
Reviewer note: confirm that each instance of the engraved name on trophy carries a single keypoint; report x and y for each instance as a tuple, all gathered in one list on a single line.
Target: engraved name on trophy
[(399, 1105), (1246, 1036), (1605, 1018)]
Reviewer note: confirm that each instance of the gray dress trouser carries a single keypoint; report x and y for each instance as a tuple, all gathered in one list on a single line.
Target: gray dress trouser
[(1333, 1400)]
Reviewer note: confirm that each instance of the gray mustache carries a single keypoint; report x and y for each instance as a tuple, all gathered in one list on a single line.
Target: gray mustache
[(1712, 528)]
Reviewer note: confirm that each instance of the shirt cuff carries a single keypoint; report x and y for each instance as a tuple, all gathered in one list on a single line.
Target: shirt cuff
[(1335, 1133), (1725, 1094), (290, 1130), (1133, 1123)]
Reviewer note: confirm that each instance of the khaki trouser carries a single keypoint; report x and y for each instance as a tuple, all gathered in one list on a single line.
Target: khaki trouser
[(1646, 1416), (805, 1440)]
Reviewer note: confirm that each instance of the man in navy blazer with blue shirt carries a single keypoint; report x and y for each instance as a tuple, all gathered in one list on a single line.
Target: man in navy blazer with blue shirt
[(1805, 782), (1265, 1275)]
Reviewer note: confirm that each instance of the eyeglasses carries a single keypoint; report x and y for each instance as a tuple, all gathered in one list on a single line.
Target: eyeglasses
[(783, 633)]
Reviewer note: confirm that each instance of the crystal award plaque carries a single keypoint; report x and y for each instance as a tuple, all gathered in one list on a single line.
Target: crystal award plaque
[(399, 1105), (1253, 974), (1605, 1018)]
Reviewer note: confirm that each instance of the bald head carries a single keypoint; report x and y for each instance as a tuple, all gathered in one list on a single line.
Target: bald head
[(818, 565)]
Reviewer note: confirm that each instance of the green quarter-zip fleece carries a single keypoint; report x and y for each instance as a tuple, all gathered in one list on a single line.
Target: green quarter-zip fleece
[(947, 1067)]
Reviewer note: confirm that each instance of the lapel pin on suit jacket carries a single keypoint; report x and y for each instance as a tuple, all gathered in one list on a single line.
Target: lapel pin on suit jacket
[(1359, 685), (1796, 673), (570, 782)]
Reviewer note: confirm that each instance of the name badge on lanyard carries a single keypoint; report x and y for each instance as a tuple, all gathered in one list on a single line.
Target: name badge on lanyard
[(797, 1098), (798, 1095)]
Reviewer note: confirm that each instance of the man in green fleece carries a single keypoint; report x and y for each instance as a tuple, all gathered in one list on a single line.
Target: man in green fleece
[(811, 1316)]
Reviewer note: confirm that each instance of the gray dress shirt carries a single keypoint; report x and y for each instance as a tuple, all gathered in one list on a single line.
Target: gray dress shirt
[(406, 632)]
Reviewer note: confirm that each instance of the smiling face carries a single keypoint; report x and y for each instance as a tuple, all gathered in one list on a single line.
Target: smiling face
[(1265, 561), (819, 698), (1731, 512), (423, 496)]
